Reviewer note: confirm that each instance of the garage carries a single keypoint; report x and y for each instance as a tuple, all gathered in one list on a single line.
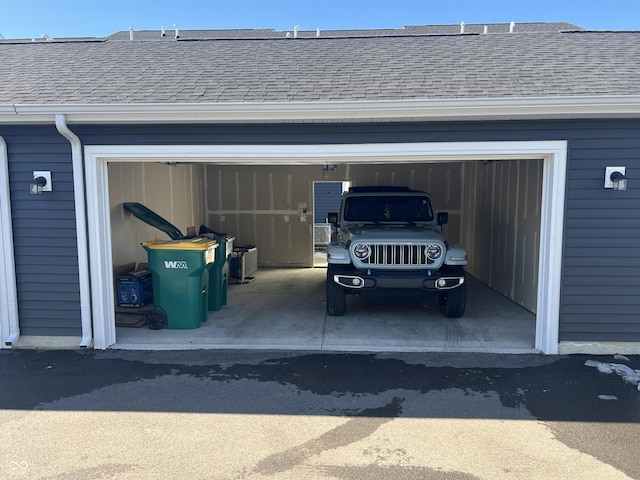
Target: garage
[(514, 129), (495, 203)]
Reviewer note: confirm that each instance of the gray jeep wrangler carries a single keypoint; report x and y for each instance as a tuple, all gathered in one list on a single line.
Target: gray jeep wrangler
[(388, 241)]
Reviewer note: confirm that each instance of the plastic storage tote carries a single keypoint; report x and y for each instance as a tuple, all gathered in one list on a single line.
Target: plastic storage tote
[(180, 270)]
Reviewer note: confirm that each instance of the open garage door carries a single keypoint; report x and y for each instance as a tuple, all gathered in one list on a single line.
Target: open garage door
[(546, 159)]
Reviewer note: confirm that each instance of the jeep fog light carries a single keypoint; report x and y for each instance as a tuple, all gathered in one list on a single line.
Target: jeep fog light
[(349, 281), (441, 282)]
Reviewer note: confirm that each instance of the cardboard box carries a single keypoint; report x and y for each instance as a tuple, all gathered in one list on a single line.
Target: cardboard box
[(134, 285)]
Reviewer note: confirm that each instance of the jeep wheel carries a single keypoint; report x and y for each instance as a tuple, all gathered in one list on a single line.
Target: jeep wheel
[(336, 298), (453, 302)]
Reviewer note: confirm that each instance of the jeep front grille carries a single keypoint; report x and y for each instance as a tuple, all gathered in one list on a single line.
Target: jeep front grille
[(397, 254)]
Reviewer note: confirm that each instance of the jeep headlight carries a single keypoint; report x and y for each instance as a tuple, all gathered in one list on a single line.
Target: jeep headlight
[(361, 251), (434, 251)]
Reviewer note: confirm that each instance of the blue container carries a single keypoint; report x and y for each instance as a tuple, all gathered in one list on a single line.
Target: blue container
[(135, 289)]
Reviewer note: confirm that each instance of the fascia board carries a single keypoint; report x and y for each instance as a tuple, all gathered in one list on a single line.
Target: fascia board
[(627, 106)]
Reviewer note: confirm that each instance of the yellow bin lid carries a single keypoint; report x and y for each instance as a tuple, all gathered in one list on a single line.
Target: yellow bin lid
[(183, 244)]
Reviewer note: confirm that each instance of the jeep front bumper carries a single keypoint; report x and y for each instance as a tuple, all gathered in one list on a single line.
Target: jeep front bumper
[(429, 281)]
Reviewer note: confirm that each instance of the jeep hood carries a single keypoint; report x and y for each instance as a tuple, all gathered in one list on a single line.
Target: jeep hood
[(389, 233)]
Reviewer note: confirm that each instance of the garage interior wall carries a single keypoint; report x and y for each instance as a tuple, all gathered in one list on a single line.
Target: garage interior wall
[(175, 192), (501, 228), (264, 205), (270, 207)]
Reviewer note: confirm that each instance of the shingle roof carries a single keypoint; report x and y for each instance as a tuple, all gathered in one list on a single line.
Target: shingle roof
[(416, 62)]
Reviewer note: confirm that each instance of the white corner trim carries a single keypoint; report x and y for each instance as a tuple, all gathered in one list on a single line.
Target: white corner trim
[(9, 320), (554, 154)]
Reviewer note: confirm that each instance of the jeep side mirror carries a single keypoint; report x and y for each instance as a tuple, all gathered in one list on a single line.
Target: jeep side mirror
[(443, 218), (332, 218)]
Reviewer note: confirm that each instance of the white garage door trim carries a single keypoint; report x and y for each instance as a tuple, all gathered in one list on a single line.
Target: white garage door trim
[(554, 154)]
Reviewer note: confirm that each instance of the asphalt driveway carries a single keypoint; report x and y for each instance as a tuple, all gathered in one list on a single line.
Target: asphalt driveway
[(263, 415)]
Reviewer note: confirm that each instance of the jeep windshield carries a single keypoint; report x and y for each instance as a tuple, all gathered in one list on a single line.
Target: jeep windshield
[(388, 208)]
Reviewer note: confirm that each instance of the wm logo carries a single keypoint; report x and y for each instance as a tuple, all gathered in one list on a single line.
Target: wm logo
[(175, 264)]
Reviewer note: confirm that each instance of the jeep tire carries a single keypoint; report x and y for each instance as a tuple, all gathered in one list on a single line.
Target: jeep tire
[(453, 302), (336, 297)]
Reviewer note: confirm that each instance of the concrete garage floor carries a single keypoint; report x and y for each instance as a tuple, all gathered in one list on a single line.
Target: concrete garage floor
[(284, 309)]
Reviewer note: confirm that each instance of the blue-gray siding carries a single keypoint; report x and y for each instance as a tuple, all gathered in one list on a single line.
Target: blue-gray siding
[(601, 266), (44, 232)]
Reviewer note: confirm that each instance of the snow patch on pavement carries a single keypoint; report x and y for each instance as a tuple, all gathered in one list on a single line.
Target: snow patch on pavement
[(627, 373)]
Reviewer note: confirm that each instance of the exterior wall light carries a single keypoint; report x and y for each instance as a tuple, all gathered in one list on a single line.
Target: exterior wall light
[(615, 178), (41, 183)]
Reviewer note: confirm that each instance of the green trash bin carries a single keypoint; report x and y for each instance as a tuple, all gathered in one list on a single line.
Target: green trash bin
[(219, 273), (218, 270), (180, 271)]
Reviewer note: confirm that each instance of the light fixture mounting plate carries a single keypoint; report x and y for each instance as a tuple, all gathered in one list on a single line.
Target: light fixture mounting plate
[(47, 177), (608, 183)]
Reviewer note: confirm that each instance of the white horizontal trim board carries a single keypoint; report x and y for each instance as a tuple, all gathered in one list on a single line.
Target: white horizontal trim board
[(554, 154), (319, 154), (616, 106)]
